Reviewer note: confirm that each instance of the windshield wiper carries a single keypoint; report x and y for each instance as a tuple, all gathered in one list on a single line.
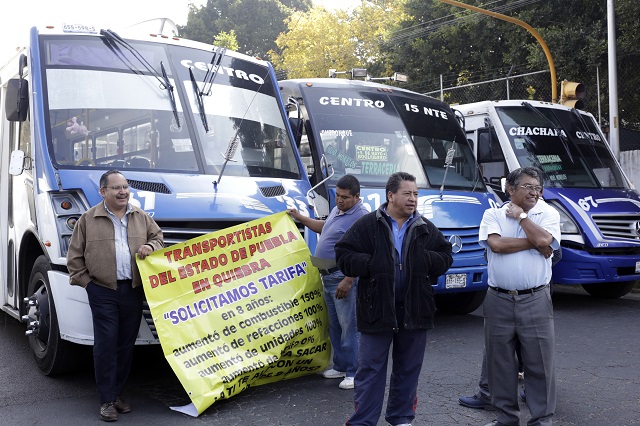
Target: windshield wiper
[(209, 77), (172, 97), (585, 129), (563, 139), (448, 160), (199, 101), (112, 39), (233, 143)]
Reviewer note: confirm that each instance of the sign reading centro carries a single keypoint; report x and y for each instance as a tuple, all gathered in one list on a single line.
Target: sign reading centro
[(237, 308)]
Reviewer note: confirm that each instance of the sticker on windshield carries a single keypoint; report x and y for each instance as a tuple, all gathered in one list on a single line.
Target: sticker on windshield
[(548, 168), (182, 145), (557, 178), (371, 153), (545, 159), (519, 143), (379, 168), (351, 102), (335, 133), (536, 131), (340, 156), (588, 135), (79, 28)]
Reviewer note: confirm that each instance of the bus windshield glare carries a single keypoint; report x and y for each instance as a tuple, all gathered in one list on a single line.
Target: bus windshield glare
[(108, 109), (566, 145), (374, 134)]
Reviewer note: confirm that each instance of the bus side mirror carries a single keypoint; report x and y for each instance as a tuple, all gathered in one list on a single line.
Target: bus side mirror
[(16, 165), (16, 103)]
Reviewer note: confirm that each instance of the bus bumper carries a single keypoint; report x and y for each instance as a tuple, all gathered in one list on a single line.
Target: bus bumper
[(74, 314), (580, 267), (459, 280)]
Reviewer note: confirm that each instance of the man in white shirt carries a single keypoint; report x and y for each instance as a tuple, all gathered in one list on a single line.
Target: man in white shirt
[(520, 238)]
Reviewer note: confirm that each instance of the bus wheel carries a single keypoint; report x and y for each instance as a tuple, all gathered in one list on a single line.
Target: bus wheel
[(51, 353), (460, 303), (609, 290)]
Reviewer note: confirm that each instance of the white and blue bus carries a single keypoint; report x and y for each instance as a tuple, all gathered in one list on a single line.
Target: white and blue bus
[(200, 133), (599, 208), (372, 130)]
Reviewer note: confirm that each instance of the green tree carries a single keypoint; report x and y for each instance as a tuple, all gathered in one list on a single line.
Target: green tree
[(319, 40), (439, 39), (227, 40), (256, 23)]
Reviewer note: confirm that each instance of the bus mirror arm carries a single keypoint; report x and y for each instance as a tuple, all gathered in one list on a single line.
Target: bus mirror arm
[(325, 166)]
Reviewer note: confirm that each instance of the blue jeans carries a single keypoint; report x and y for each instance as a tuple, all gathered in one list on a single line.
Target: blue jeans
[(343, 332)]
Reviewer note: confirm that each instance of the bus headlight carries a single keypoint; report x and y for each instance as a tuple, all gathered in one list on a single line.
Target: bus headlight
[(567, 224), (68, 207)]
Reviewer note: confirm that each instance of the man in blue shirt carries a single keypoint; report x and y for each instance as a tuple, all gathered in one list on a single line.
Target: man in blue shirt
[(339, 291), (520, 238), (397, 255)]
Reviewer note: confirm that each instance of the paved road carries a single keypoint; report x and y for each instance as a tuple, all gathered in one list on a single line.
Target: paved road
[(598, 348)]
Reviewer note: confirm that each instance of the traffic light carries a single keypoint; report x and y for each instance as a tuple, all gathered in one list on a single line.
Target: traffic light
[(571, 94)]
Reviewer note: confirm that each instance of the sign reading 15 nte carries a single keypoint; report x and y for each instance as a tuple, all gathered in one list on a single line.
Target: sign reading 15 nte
[(237, 308)]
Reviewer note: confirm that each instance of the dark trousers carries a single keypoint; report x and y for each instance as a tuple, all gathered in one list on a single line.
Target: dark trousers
[(407, 355), (116, 321)]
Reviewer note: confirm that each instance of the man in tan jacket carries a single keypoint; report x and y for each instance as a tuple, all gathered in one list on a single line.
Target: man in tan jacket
[(101, 259)]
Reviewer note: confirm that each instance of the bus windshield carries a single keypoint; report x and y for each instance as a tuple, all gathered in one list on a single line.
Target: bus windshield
[(374, 134), (107, 109), (566, 145)]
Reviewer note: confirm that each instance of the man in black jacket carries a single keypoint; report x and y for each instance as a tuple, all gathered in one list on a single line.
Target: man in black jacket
[(397, 255)]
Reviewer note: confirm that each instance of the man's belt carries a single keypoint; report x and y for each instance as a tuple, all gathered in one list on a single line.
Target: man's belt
[(517, 292), (328, 271)]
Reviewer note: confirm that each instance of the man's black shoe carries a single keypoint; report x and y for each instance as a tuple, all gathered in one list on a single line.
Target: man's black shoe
[(122, 406), (108, 412), (475, 402)]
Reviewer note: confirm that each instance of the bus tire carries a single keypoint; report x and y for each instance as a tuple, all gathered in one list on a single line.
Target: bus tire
[(609, 290), (52, 354), (460, 303)]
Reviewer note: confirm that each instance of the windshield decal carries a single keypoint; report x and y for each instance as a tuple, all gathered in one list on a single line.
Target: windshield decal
[(536, 131), (336, 133), (371, 153), (589, 135), (357, 102), (545, 159), (231, 72), (341, 157), (379, 168), (432, 112)]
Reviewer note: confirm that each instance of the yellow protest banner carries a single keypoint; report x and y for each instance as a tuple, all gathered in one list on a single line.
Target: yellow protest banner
[(237, 308)]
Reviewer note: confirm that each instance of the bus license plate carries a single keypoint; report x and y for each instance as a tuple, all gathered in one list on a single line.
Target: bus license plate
[(458, 280), (637, 267)]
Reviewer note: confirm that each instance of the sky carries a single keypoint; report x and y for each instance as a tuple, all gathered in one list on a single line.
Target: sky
[(19, 16)]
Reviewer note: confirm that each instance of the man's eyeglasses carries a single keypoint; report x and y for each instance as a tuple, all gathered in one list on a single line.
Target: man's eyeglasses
[(118, 187), (529, 188)]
